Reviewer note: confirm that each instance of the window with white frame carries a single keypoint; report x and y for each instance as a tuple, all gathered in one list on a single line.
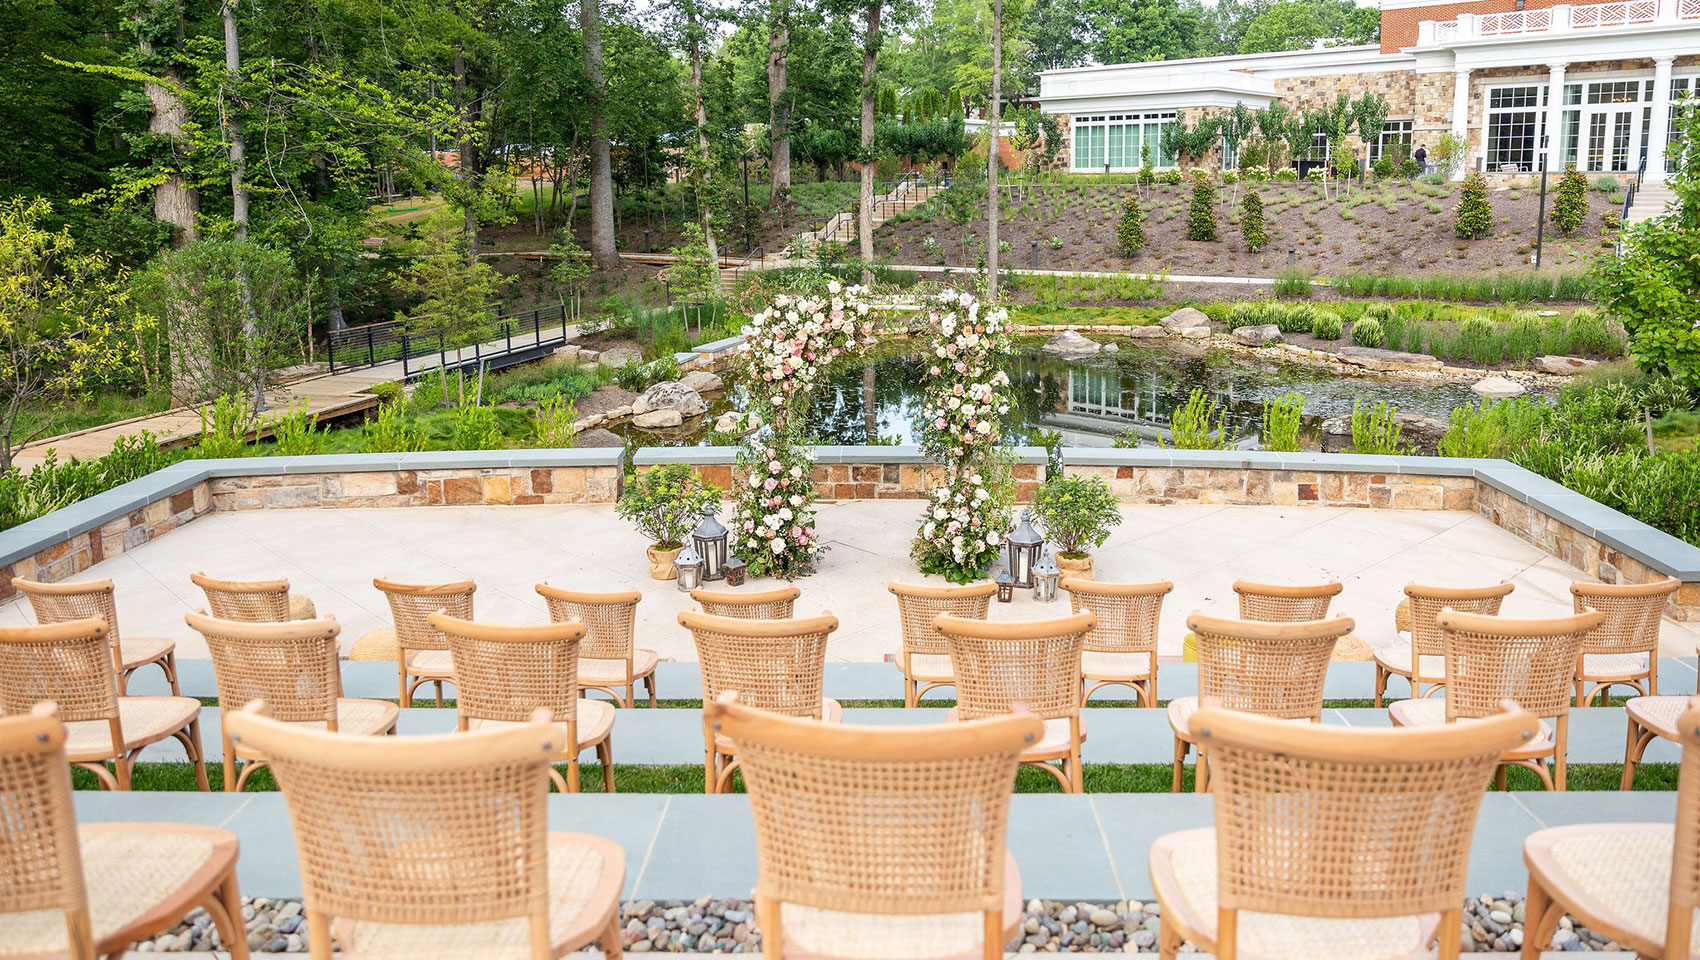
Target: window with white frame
[(1684, 95), (1515, 120), (1606, 123), (1119, 141), (1395, 141)]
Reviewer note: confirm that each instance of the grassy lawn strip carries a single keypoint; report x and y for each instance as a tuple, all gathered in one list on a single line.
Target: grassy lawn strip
[(687, 778)]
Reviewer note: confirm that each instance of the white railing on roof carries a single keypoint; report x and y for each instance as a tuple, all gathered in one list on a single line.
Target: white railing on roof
[(1561, 17)]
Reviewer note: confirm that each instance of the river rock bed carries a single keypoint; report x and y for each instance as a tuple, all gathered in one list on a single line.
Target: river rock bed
[(711, 925)]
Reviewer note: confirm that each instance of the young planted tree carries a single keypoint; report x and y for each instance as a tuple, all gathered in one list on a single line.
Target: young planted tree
[(1570, 208), (1251, 222), (1234, 126), (1473, 218), (1201, 213), (1371, 111), (456, 290), (1130, 229)]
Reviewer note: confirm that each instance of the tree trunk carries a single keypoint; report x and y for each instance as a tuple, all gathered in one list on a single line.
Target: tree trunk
[(779, 108), (238, 147), (705, 214), (174, 200), (602, 251), (865, 210), (870, 411), (468, 107), (994, 127)]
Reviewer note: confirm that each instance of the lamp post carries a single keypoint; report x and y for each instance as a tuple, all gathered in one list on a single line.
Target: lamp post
[(710, 540), (689, 565), (1024, 546)]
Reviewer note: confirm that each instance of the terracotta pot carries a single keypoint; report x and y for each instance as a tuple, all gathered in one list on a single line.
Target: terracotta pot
[(661, 562), (1080, 569)]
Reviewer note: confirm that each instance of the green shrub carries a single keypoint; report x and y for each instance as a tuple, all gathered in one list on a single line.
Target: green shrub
[(1524, 332), (1294, 317), (51, 485), (1478, 339), (666, 502), (1246, 313), (1172, 176), (1201, 214), (1286, 173), (552, 424), (1376, 430), (1473, 432), (1368, 332), (225, 428), (294, 434), (1326, 326), (1570, 208), (1130, 230), (1199, 424), (475, 428), (1282, 417), (1606, 183), (1294, 282), (1077, 513), (391, 431), (1251, 222), (1474, 217), (1383, 312)]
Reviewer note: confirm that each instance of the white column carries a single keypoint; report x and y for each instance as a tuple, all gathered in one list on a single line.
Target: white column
[(1555, 118), (1658, 137), (1461, 115)]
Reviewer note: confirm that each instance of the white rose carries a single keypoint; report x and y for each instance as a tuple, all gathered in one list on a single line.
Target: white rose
[(777, 545)]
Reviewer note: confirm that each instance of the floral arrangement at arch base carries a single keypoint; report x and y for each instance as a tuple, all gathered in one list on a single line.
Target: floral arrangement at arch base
[(790, 345), (966, 397)]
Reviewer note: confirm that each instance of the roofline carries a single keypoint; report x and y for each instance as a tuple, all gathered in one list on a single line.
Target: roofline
[(1366, 48)]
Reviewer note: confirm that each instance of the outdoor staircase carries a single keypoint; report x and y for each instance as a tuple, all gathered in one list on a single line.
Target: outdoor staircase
[(841, 226), (1651, 200)]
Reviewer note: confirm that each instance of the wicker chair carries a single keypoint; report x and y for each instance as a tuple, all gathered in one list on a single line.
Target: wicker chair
[(254, 601), (1329, 842), (1636, 883), (925, 659), (608, 660), (881, 844), (508, 672), (1422, 656), (774, 604), (93, 891), (1650, 718), (438, 845), (70, 664), (773, 665), (1280, 603), (1490, 660), (59, 602), (1121, 647), (1625, 650), (422, 652), (1270, 669), (293, 667), (1035, 663)]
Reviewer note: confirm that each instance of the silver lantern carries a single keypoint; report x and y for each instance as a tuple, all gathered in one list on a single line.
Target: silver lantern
[(1024, 546), (710, 540), (689, 565), (1046, 576)]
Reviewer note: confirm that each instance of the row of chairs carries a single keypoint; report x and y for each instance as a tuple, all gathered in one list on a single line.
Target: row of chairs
[(1326, 841)]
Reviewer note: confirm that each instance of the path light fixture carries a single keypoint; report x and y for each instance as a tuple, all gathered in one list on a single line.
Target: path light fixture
[(735, 570), (710, 540), (689, 565), (1006, 587), (1024, 547), (1046, 576)]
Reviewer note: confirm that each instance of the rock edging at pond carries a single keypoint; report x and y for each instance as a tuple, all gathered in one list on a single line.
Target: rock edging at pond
[(1070, 345)]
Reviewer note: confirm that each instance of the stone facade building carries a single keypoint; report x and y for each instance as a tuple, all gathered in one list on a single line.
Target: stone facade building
[(1593, 84)]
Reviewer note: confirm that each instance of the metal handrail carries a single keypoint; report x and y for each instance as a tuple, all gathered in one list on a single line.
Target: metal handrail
[(820, 228), (1629, 201), (392, 340)]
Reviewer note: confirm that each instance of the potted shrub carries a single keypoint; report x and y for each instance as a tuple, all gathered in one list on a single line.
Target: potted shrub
[(665, 504), (1077, 514)]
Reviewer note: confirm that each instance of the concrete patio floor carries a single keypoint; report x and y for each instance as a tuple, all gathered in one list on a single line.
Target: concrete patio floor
[(332, 556)]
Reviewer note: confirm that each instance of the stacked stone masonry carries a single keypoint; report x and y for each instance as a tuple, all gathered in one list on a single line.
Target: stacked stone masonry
[(419, 488), (72, 556), (873, 481)]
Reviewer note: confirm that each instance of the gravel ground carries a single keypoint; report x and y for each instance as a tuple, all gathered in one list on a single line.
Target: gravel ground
[(709, 925)]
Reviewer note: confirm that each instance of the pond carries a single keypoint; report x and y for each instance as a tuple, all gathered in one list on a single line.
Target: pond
[(1090, 402)]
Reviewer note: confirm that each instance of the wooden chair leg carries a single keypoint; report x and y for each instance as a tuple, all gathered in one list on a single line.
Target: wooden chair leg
[(992, 923), (1076, 776), (910, 692), (1380, 685), (318, 935), (121, 770), (233, 934), (631, 695), (1450, 933), (649, 684), (439, 686), (1678, 932), (605, 753), (572, 773), (1168, 938), (1499, 778), (169, 665), (1180, 757), (710, 770), (1227, 933), (772, 937), (192, 743), (229, 765), (124, 683), (1534, 907), (1201, 772), (1561, 751), (611, 940)]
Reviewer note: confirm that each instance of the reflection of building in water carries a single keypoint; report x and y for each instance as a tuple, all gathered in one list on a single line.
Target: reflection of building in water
[(1103, 401)]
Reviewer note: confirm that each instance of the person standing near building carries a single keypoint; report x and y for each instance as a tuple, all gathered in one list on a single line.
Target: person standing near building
[(1421, 156)]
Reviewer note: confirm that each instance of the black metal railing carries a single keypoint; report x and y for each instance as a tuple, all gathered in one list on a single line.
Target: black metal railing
[(886, 200), (509, 338), (1629, 201)]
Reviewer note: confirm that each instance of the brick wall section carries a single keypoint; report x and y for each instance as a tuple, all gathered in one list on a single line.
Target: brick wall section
[(66, 559), (419, 488), (872, 481)]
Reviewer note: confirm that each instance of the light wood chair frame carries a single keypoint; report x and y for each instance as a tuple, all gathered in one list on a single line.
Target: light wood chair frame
[(1548, 900), (889, 872), (1294, 691), (1426, 604), (410, 617), (1285, 603), (253, 601), (1255, 877), (609, 619), (1127, 622), (59, 602), (36, 743), (780, 603), (1033, 664), (1648, 719), (301, 645), (329, 765), (782, 671), (1633, 613), (550, 645), (917, 605), (98, 697)]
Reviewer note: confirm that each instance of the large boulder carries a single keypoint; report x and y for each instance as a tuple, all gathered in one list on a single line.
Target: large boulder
[(1258, 335), (1564, 366), (1185, 318), (1497, 388), (1192, 333), (1415, 430), (658, 419), (1375, 358), (1070, 345), (1146, 333), (701, 381), (671, 395), (617, 357)]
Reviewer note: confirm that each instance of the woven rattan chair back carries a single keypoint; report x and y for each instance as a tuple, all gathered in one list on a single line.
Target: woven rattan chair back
[(1319, 821), (1427, 602), (38, 832), (778, 604), (68, 664), (506, 672), (59, 602), (440, 829), (292, 666), (1035, 662), (609, 619), (904, 820), (1271, 669), (411, 606), (1126, 613), (1632, 612), (773, 665), (1280, 603), (1529, 662), (919, 603), (253, 601), (1685, 852)]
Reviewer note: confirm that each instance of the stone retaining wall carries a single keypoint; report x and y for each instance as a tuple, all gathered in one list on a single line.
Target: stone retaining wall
[(849, 473), (419, 488), (80, 551), (1267, 487)]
